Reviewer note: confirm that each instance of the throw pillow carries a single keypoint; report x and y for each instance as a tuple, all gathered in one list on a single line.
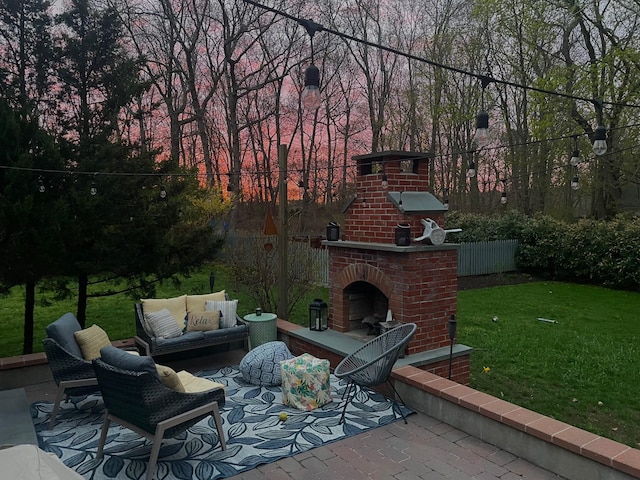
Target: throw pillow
[(176, 305), (203, 321), (124, 361), (91, 340), (227, 311), (169, 378), (196, 302), (163, 324)]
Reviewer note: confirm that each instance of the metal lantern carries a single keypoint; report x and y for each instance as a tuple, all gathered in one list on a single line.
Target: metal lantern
[(318, 315)]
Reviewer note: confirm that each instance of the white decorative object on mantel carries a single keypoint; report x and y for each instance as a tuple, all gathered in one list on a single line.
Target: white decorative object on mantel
[(433, 233)]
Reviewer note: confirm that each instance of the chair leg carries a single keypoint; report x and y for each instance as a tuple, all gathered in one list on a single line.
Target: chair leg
[(395, 403), (103, 434), (348, 395), (218, 421), (155, 450), (56, 405)]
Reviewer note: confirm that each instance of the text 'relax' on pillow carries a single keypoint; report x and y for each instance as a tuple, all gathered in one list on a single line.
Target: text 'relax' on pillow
[(203, 321), (91, 340), (195, 303), (176, 305), (227, 311), (163, 324)]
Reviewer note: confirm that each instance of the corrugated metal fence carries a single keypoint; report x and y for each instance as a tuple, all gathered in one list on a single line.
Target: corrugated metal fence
[(483, 258)]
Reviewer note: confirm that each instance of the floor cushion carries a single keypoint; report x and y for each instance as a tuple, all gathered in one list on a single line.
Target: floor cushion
[(306, 382), (261, 366)]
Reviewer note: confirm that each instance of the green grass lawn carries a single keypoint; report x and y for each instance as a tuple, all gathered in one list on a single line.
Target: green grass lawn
[(583, 370), (115, 314)]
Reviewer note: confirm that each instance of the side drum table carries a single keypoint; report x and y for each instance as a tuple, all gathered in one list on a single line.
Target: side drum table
[(262, 328)]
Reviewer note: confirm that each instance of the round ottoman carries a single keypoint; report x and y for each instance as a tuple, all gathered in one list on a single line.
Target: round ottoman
[(261, 366)]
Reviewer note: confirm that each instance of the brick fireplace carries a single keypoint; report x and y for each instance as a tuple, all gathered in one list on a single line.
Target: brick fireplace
[(370, 273)]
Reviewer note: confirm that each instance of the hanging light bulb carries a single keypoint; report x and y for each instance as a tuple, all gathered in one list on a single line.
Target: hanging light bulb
[(575, 158), (503, 198), (482, 137), (574, 161), (41, 187), (471, 171), (385, 181), (310, 97), (94, 189), (600, 140), (163, 192), (446, 198), (575, 183)]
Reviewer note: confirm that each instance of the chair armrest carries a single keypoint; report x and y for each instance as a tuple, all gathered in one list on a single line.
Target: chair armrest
[(64, 365)]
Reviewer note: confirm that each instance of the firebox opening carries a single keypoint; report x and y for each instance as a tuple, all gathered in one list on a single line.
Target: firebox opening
[(367, 307)]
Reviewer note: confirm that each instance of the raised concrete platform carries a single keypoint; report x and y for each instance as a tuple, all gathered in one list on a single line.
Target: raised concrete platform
[(16, 425)]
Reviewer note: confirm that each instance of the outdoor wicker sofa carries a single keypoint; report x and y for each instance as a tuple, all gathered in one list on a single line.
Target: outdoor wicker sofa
[(235, 330)]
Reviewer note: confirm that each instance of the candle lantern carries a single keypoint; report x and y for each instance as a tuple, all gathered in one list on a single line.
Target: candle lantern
[(318, 315)]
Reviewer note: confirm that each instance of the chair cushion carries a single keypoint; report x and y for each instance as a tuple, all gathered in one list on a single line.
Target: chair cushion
[(261, 366), (193, 384), (201, 321), (163, 324), (62, 331), (227, 309), (91, 340), (196, 302), (122, 360), (169, 378), (176, 305)]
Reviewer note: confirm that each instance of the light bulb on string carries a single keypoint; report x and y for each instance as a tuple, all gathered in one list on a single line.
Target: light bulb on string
[(41, 187), (93, 190), (310, 97), (575, 155), (503, 198), (575, 183), (600, 140), (163, 193), (471, 171), (482, 137), (385, 181)]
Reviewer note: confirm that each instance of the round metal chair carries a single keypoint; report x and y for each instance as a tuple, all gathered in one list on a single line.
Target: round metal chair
[(371, 364)]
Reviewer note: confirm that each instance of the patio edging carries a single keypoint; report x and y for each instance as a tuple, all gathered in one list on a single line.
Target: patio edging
[(559, 447)]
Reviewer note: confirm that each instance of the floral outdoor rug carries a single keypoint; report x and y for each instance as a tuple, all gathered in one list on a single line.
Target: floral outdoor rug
[(254, 429)]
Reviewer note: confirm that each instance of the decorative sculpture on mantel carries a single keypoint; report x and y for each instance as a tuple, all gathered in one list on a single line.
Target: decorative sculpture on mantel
[(433, 233)]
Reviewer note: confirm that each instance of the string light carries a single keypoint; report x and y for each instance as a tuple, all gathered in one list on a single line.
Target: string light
[(310, 97), (575, 155)]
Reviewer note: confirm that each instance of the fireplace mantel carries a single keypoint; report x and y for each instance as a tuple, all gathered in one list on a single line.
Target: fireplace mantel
[(390, 247)]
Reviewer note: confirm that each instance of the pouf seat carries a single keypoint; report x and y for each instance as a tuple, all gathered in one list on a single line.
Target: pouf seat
[(261, 366), (305, 382)]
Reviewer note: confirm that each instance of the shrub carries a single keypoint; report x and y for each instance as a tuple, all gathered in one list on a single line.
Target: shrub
[(587, 251)]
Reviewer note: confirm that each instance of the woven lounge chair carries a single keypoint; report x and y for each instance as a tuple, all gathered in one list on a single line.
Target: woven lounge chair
[(371, 364), (73, 374), (140, 402)]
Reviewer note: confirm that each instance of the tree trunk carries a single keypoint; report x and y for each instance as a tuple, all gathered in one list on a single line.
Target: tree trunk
[(81, 314), (29, 304)]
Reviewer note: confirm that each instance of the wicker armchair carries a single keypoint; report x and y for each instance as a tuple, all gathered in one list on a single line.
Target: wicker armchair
[(140, 402), (371, 364), (73, 374)]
